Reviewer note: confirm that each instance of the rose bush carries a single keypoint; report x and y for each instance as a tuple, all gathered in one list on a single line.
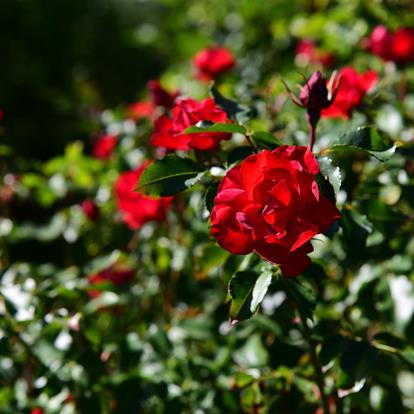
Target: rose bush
[(271, 204), (278, 279)]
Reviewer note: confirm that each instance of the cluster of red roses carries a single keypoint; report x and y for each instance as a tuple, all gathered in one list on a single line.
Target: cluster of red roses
[(397, 47), (270, 203)]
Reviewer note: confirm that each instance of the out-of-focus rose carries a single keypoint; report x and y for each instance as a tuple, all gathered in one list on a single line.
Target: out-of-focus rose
[(116, 276), (159, 97), (307, 53), (90, 209), (140, 109), (213, 61), (135, 207), (104, 147), (168, 132), (37, 411), (397, 47), (271, 204), (352, 88)]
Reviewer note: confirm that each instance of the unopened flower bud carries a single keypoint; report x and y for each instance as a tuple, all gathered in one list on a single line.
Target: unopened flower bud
[(314, 95)]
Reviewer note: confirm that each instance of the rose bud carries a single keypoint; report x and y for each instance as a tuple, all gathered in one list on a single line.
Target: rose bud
[(160, 96), (90, 209), (314, 95)]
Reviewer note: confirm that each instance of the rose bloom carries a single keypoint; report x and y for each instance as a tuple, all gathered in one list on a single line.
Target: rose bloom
[(115, 276), (271, 204), (137, 208), (104, 147), (352, 87), (213, 61), (397, 47), (37, 411), (168, 132), (90, 209), (307, 52)]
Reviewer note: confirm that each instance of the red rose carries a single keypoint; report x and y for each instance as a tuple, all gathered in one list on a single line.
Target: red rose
[(104, 146), (397, 47), (136, 208), (37, 411), (168, 132), (117, 277), (90, 209), (307, 52), (213, 61), (352, 88), (271, 204)]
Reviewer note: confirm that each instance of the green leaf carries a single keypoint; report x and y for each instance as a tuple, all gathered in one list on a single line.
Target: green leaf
[(168, 176), (356, 228), (365, 139), (260, 289), (229, 128), (236, 112), (266, 140), (330, 172), (253, 353), (331, 348), (358, 359), (302, 296), (241, 293), (408, 356)]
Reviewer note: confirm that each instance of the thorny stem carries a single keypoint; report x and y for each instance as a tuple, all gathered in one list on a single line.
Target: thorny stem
[(315, 363)]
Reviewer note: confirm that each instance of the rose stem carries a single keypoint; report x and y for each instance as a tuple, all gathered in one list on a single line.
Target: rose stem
[(313, 116), (312, 129), (315, 362)]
